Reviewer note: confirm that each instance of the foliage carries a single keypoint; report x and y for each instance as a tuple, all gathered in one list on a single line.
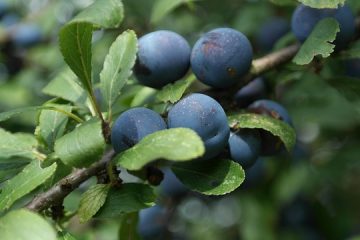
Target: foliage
[(216, 178), (323, 3), (38, 227), (168, 144), (323, 35)]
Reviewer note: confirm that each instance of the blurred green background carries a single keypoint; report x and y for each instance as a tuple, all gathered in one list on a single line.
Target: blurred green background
[(313, 193)]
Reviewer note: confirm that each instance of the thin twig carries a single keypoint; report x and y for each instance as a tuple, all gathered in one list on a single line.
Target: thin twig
[(272, 60), (66, 185)]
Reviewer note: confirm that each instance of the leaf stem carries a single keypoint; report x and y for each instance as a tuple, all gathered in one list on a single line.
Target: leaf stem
[(95, 105), (105, 124), (40, 156), (69, 114)]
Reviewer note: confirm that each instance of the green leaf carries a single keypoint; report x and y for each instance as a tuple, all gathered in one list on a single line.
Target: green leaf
[(12, 164), (92, 200), (82, 146), (289, 183), (14, 93), (214, 177), (117, 66), (322, 3), (319, 42), (315, 103), (31, 177), (276, 127), (129, 197), (346, 86), (174, 91), (75, 46), (163, 7), (24, 225), (353, 51), (66, 86), (251, 16), (52, 124), (354, 5), (6, 115), (7, 174), (168, 144), (102, 13), (17, 144), (62, 171), (11, 167), (75, 37), (128, 227), (143, 96)]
